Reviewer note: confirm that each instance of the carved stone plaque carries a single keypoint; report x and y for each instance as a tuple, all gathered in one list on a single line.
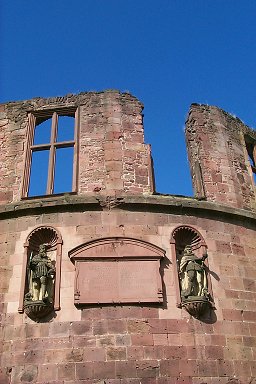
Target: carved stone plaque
[(122, 281), (117, 270)]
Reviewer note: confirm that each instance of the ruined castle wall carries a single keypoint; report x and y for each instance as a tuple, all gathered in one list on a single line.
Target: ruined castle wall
[(112, 156), (218, 157), (12, 145), (131, 343)]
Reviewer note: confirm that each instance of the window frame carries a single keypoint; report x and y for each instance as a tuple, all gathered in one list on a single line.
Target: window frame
[(250, 144), (252, 155), (52, 146)]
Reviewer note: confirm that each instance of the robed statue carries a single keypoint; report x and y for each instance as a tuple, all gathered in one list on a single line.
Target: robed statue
[(192, 275)]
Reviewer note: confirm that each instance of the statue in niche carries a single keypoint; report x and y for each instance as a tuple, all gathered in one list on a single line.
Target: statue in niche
[(193, 275), (41, 277)]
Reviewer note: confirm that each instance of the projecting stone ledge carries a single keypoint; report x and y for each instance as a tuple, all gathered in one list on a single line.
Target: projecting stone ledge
[(150, 203)]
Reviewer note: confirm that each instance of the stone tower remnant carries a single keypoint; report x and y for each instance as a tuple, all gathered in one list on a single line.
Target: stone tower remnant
[(103, 280)]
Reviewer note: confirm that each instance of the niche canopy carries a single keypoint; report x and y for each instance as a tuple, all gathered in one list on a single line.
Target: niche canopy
[(117, 270)]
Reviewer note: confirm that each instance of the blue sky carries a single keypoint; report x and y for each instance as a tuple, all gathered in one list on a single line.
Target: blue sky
[(168, 53)]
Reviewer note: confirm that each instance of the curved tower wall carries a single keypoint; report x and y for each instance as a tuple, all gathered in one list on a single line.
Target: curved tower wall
[(114, 222)]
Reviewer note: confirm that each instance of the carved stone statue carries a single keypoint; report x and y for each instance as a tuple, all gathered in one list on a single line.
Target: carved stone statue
[(192, 275), (42, 273)]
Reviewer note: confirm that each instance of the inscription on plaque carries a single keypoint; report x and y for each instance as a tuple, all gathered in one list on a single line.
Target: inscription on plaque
[(118, 271), (118, 281)]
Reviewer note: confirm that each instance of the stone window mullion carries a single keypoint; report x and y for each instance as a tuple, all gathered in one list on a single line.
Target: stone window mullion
[(50, 179), (54, 147)]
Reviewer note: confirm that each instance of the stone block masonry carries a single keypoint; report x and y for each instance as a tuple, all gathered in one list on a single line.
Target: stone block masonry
[(112, 155), (115, 201), (219, 158)]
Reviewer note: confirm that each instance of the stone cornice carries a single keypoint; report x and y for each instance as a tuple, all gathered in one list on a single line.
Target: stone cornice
[(179, 205)]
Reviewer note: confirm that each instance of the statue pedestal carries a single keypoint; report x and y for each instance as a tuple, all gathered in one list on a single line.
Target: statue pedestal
[(37, 309), (196, 306)]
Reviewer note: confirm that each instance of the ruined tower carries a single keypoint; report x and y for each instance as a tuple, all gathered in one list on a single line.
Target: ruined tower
[(105, 281)]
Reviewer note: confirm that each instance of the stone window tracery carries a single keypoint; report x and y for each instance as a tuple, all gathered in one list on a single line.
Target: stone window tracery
[(52, 138)]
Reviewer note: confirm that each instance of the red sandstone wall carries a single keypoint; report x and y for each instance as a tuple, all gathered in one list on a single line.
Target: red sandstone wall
[(133, 344), (215, 141), (12, 136), (112, 154)]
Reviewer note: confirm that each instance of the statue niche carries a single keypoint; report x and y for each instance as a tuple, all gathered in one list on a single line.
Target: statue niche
[(193, 279), (41, 271)]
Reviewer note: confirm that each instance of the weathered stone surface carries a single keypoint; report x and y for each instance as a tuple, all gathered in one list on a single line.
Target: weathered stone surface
[(219, 160), (110, 125), (126, 343)]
